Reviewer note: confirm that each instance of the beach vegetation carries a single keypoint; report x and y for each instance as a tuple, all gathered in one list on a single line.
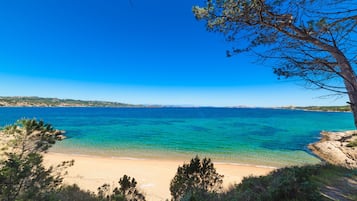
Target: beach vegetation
[(22, 173), (352, 143), (299, 183), (127, 191), (73, 192), (199, 177), (292, 183), (310, 40)]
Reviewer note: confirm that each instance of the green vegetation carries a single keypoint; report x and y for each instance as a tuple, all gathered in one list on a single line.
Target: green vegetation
[(22, 173), (126, 191), (306, 183), (55, 102), (352, 144), (73, 192), (345, 108), (196, 177), (283, 184)]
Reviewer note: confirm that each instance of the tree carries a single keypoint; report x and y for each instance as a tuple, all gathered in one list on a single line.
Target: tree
[(73, 192), (196, 177), (127, 191), (309, 39), (22, 174)]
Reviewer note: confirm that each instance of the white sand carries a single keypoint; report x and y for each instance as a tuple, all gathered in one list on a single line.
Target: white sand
[(153, 176)]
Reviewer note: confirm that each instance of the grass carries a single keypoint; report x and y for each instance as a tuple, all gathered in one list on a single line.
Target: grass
[(352, 144)]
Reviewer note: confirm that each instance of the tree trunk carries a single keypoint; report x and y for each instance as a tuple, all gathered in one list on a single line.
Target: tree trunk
[(354, 107), (351, 87), (349, 79), (347, 74)]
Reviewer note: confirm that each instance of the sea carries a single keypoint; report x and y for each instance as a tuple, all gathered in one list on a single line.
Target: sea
[(246, 136)]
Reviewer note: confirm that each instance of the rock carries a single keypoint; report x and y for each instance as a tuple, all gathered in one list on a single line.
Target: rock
[(333, 148), (60, 134)]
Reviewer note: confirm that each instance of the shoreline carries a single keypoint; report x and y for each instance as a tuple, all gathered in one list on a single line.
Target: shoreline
[(268, 158), (153, 175), (168, 157)]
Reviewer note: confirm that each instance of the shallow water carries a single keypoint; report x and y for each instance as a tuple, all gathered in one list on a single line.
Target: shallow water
[(270, 137)]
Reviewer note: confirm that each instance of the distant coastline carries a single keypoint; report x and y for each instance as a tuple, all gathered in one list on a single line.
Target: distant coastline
[(344, 108), (34, 101)]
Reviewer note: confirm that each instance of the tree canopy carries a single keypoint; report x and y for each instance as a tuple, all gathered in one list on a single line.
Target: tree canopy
[(22, 173), (309, 39), (196, 177), (127, 191)]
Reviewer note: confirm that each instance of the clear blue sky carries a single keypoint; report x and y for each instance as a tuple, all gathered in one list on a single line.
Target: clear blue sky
[(132, 51)]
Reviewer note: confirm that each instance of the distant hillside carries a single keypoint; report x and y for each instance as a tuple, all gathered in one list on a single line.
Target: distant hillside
[(345, 108), (32, 101)]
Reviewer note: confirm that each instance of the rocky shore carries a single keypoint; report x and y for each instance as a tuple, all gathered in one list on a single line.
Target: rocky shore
[(337, 148)]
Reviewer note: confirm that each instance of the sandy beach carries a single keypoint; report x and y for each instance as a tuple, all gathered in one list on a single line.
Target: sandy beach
[(153, 175)]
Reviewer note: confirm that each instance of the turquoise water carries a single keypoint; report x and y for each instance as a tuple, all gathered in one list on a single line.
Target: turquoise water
[(268, 137)]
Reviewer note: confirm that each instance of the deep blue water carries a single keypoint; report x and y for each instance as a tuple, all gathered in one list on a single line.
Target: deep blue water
[(256, 136)]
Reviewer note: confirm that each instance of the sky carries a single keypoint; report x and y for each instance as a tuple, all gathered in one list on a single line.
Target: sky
[(133, 51)]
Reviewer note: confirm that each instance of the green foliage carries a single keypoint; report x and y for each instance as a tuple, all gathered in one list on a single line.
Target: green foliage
[(306, 183), (22, 174), (104, 191), (73, 193), (127, 191), (30, 136), (352, 144), (200, 195), (291, 183), (288, 184), (295, 184), (26, 178), (196, 178)]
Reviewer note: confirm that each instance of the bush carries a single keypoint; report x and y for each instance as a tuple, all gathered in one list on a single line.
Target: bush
[(352, 143), (196, 178), (73, 192), (291, 183), (126, 191)]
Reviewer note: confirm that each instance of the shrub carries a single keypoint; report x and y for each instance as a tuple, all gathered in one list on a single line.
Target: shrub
[(197, 177), (126, 191), (291, 183), (73, 192), (352, 143)]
